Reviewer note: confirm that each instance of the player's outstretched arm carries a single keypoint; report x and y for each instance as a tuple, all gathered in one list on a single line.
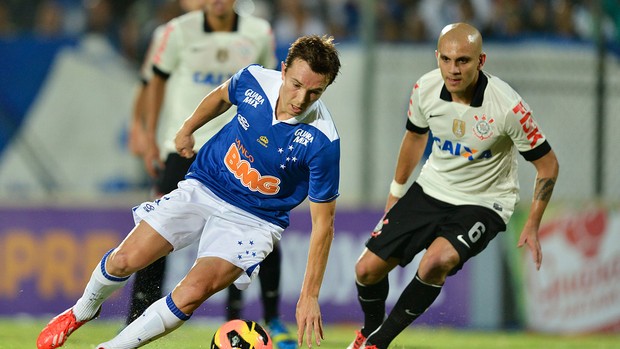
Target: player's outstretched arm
[(214, 104), (308, 312), (547, 169)]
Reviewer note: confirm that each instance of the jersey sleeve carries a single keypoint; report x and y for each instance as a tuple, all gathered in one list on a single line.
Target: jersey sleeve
[(525, 133), (167, 54), (416, 121), (325, 173), (146, 69), (234, 83)]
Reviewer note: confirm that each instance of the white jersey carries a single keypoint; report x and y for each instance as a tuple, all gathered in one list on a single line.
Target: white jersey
[(198, 59), (473, 159), (146, 69)]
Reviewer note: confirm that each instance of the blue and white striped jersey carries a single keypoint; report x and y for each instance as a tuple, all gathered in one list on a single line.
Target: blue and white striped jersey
[(266, 166)]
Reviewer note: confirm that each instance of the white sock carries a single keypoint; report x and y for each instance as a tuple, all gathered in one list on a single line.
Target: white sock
[(161, 318), (100, 286)]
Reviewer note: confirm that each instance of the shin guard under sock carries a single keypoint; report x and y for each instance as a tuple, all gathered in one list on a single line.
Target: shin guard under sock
[(414, 301), (100, 286), (372, 300), (161, 318)]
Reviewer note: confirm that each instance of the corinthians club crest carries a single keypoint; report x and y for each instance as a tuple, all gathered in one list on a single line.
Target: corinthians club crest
[(482, 128)]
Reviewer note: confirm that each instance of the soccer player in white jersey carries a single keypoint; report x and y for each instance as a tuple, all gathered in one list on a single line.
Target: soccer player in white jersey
[(197, 52), (466, 191), (281, 147)]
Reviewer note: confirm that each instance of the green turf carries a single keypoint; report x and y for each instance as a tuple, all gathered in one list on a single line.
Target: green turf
[(18, 334)]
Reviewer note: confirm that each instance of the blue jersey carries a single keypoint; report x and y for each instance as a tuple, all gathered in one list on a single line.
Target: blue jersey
[(265, 166)]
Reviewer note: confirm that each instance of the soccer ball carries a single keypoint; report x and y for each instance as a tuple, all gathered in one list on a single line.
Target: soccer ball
[(241, 334)]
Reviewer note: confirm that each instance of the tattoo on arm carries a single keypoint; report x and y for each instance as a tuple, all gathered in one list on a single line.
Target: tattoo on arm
[(544, 188)]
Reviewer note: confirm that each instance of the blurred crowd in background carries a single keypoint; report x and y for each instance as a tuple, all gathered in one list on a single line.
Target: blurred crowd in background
[(128, 24)]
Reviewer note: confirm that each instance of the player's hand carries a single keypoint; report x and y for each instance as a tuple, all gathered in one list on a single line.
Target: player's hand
[(136, 141), (391, 200), (152, 162), (184, 144), (309, 320), (529, 236)]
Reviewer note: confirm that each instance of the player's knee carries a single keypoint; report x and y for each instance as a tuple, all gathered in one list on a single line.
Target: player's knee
[(120, 264), (437, 264), (365, 274)]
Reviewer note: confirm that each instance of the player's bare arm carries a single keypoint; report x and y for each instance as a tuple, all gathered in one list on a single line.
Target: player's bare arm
[(214, 104), (137, 132), (308, 312), (154, 96), (411, 151), (547, 168)]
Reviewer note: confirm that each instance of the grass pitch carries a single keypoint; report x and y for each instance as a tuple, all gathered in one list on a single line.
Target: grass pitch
[(22, 334)]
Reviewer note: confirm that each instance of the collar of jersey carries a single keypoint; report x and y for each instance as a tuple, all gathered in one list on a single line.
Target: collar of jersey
[(207, 28), (478, 98), (296, 119)]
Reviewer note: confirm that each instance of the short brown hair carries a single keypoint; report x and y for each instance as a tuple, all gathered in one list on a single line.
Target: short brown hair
[(319, 52)]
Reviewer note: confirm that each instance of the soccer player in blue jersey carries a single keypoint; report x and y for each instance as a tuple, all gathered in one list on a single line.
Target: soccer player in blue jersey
[(188, 58), (281, 147), (466, 191)]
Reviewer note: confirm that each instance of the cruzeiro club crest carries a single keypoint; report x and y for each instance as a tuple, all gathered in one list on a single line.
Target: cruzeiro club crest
[(482, 128)]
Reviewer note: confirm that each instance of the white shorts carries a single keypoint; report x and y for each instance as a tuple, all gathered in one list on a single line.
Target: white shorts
[(192, 212)]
